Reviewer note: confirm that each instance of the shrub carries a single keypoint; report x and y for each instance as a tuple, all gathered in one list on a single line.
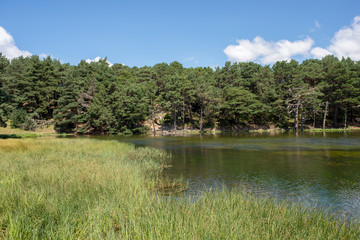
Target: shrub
[(17, 118)]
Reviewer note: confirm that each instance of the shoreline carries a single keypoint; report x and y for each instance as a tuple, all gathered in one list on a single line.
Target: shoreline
[(6, 133), (186, 132)]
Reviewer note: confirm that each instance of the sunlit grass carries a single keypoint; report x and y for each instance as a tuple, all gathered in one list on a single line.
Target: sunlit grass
[(330, 129), (8, 132), (88, 189)]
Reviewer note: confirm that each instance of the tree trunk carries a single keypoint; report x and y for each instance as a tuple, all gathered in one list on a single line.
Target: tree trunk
[(191, 117), (325, 113), (152, 115), (201, 118), (345, 120), (335, 116), (175, 119), (183, 115), (302, 120), (76, 126), (296, 119), (314, 121)]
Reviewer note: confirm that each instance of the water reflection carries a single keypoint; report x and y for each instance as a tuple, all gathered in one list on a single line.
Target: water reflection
[(317, 169)]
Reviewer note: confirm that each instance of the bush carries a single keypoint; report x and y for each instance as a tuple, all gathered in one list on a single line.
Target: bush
[(17, 118), (29, 123)]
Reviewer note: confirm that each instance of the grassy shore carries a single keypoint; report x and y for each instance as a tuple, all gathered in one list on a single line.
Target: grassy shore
[(7, 132), (88, 189), (307, 130), (181, 132)]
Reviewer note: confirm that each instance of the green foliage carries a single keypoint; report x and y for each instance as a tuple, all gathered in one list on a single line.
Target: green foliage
[(3, 118), (207, 98), (4, 63), (241, 106), (66, 115), (17, 118), (96, 98)]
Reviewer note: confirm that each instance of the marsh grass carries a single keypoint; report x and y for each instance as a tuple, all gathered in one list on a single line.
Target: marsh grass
[(88, 189), (8, 133)]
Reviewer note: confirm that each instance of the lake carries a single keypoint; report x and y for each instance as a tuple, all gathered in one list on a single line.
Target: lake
[(315, 169)]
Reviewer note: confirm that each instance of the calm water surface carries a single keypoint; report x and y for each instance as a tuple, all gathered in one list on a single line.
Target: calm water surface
[(317, 169)]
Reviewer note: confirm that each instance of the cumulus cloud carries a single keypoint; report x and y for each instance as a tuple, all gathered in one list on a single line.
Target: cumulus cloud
[(267, 52), (319, 52), (96, 60), (8, 47), (345, 43)]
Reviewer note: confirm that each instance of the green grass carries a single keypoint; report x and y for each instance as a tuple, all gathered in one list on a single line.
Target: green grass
[(88, 189), (329, 129), (8, 132), (266, 130)]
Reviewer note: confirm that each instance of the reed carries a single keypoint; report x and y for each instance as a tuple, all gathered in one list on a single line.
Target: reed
[(89, 189)]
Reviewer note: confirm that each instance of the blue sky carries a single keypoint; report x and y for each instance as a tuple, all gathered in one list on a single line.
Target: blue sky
[(195, 33)]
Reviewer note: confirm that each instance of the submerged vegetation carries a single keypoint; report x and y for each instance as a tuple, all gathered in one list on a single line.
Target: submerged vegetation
[(88, 189), (98, 98)]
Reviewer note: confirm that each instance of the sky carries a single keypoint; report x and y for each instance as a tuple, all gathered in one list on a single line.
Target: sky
[(195, 33)]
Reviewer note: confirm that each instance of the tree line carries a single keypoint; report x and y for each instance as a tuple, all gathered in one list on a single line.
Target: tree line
[(98, 98)]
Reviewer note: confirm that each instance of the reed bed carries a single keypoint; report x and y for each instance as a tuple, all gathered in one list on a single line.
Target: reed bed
[(89, 189)]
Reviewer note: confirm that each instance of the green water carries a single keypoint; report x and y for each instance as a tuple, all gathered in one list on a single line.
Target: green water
[(312, 168)]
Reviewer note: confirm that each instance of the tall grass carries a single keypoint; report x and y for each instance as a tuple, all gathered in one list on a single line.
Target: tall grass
[(88, 189)]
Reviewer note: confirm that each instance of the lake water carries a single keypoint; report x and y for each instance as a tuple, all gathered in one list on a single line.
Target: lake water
[(312, 168)]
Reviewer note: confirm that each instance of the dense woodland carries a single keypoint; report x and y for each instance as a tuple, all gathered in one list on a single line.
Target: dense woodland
[(98, 98)]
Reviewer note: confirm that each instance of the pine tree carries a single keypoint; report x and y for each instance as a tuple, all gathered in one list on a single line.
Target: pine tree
[(4, 98), (66, 114)]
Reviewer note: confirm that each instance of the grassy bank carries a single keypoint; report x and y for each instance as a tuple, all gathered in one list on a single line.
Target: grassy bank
[(307, 130), (246, 130), (88, 189), (7, 132)]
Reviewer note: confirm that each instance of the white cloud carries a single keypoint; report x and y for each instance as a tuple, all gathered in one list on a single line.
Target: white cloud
[(317, 26), (319, 52), (8, 47), (96, 60), (267, 52), (345, 43)]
